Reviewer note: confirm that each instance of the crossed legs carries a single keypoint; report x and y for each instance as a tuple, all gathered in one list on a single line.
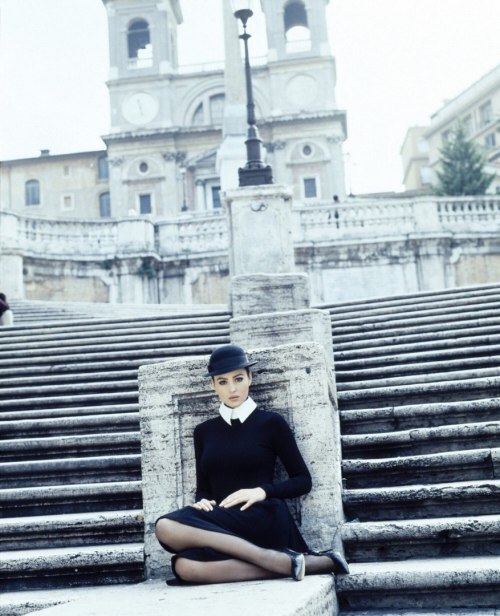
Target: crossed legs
[(248, 562)]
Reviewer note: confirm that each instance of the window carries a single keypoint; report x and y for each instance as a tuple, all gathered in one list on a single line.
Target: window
[(468, 126), (145, 205), (298, 36), (105, 205), (485, 114), (310, 190), (140, 51), (210, 111), (66, 170), (32, 192), (67, 203), (490, 140), (143, 167), (216, 204), (426, 175), (102, 167), (445, 136)]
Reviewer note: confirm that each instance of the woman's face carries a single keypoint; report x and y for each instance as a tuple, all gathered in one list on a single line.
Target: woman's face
[(232, 387)]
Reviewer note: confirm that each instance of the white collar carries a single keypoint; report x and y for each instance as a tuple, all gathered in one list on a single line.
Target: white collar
[(241, 412)]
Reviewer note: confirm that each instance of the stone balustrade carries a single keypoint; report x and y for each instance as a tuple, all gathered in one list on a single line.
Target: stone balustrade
[(204, 233)]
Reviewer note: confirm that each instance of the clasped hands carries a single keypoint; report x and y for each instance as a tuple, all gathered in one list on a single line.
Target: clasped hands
[(247, 496)]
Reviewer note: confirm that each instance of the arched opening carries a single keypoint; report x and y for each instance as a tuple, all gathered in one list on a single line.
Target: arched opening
[(32, 192), (209, 111), (140, 50), (298, 35)]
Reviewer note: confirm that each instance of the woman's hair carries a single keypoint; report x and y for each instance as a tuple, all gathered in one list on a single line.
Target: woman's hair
[(3, 297)]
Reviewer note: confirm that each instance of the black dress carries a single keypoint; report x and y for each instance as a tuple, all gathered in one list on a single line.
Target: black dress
[(233, 457)]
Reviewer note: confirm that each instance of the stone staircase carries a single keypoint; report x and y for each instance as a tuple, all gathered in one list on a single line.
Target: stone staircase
[(70, 443), (419, 397), (418, 381)]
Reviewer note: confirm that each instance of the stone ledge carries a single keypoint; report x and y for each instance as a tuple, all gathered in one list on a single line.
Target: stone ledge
[(313, 597)]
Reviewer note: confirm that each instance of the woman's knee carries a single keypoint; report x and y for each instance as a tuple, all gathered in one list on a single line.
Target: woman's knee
[(190, 570), (163, 529)]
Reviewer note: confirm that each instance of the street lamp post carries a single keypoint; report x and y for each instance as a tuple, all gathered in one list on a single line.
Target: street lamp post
[(255, 171)]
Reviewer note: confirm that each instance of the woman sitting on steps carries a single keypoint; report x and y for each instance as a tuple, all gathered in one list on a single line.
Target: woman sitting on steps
[(240, 528)]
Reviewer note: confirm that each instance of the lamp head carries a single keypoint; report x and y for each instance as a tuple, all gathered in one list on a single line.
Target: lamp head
[(243, 9)]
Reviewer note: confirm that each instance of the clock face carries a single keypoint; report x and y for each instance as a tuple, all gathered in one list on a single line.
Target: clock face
[(140, 108)]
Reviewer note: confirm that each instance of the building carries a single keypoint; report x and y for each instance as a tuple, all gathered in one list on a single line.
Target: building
[(169, 123), (478, 108)]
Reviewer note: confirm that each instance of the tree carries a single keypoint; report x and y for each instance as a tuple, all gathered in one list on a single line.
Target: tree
[(462, 167)]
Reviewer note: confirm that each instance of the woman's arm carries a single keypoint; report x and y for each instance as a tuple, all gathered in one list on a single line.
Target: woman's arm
[(299, 478)]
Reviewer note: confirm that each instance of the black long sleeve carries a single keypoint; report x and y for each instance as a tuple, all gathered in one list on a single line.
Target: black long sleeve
[(229, 458)]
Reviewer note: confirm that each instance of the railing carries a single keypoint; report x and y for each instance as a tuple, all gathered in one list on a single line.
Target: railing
[(201, 234)]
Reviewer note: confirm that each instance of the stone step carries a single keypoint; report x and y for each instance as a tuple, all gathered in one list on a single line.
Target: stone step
[(90, 387), (92, 324), (426, 415), (436, 611), (443, 355), (411, 306), (108, 338), (440, 391), (472, 582), (453, 437), (417, 337), (480, 292), (120, 330), (71, 530), (46, 402), (112, 353), (395, 348), (430, 377), (31, 372), (427, 328), (56, 349), (75, 379), (460, 498), (422, 538), (65, 567), (70, 471), (415, 369), (71, 411), (83, 497), (462, 465), (56, 447), (57, 426)]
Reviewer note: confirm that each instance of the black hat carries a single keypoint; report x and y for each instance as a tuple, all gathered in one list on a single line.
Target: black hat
[(226, 359)]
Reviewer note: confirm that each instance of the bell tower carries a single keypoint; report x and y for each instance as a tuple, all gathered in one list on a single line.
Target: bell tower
[(306, 142), (143, 55)]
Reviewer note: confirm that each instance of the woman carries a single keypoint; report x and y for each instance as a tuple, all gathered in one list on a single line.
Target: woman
[(240, 528), (6, 316)]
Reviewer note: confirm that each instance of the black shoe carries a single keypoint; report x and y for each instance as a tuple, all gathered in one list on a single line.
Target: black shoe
[(339, 562), (298, 569)]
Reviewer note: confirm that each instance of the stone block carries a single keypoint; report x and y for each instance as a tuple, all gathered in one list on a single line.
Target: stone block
[(258, 293), (294, 380), (260, 229), (278, 328)]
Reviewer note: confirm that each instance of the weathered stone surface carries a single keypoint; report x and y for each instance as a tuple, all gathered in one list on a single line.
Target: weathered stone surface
[(314, 596), (278, 328), (174, 397), (260, 216), (258, 293)]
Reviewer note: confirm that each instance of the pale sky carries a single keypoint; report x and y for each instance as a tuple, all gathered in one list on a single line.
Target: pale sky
[(397, 61)]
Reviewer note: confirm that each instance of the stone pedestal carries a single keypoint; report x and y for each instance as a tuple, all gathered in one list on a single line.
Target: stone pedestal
[(277, 328), (260, 230), (259, 293), (174, 397)]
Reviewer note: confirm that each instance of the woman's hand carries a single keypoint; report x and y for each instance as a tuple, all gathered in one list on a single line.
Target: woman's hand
[(204, 504), (247, 496)]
